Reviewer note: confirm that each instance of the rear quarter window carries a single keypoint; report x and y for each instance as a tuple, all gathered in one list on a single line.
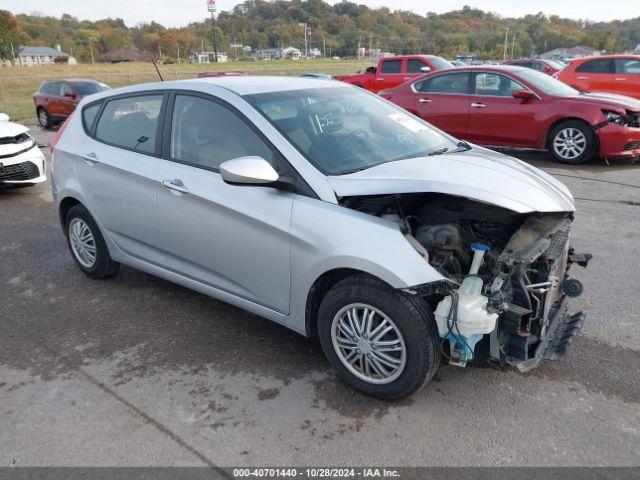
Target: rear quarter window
[(89, 114)]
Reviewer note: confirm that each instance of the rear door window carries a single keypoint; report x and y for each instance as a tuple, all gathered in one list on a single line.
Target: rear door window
[(131, 122), (53, 88), (391, 66), (596, 66)]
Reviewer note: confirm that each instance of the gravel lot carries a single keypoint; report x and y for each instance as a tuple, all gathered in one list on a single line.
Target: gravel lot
[(138, 371)]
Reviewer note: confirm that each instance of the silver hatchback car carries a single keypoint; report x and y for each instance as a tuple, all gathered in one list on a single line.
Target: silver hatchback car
[(329, 210)]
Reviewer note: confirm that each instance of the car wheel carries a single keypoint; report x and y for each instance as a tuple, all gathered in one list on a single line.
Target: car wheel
[(87, 244), (380, 341), (44, 118), (572, 142)]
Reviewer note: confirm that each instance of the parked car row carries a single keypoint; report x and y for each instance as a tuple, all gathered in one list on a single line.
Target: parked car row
[(519, 107), (521, 104)]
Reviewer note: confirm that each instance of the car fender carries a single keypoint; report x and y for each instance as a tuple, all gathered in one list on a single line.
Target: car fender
[(326, 237)]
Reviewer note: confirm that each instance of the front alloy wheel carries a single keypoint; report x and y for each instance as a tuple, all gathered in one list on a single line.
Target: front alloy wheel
[(368, 343), (572, 142), (381, 341)]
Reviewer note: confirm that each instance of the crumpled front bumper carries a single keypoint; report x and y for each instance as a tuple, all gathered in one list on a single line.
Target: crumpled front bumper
[(562, 329), (619, 141)]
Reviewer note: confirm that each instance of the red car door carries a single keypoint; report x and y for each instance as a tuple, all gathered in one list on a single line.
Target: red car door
[(390, 74), (67, 99), (627, 76), (496, 117), (52, 99), (443, 100), (596, 76)]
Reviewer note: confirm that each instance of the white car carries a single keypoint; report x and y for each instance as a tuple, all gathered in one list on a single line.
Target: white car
[(21, 161)]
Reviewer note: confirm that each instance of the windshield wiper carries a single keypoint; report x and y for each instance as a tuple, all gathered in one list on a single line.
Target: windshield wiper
[(462, 146), (439, 151)]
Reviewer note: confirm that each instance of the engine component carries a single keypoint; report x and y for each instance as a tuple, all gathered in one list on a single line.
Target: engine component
[(462, 317)]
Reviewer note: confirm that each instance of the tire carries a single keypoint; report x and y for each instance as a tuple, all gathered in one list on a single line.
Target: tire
[(44, 119), (572, 142), (100, 265), (419, 356)]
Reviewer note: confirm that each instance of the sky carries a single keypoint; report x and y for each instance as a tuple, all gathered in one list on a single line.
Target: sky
[(175, 13)]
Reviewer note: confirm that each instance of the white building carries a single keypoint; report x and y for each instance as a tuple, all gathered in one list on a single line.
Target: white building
[(570, 53), (208, 57), (36, 56)]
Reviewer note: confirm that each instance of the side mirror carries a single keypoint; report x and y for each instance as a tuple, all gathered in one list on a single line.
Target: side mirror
[(69, 94), (248, 171), (425, 69), (522, 94)]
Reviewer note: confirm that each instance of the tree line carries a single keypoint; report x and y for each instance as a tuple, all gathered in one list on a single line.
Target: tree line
[(337, 30)]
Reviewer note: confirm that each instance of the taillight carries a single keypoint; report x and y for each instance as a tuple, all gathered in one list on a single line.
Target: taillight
[(59, 133)]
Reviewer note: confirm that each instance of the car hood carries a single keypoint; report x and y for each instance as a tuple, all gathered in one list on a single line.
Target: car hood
[(477, 174), (608, 99), (10, 129)]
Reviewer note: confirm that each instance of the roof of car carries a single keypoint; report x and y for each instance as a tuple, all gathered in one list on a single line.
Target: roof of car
[(496, 68), (249, 85), (73, 80)]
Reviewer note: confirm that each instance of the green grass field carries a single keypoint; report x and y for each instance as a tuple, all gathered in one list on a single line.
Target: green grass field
[(19, 83)]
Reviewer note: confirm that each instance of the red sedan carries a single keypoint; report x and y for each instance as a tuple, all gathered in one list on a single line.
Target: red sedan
[(545, 66), (519, 107)]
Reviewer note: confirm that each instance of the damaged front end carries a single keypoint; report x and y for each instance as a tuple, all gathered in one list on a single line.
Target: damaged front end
[(505, 275)]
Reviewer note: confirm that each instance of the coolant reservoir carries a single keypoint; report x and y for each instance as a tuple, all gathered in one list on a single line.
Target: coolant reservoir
[(472, 320)]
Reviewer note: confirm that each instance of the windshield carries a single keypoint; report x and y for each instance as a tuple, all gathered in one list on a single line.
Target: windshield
[(557, 65), (547, 84), (88, 88), (441, 63), (344, 129)]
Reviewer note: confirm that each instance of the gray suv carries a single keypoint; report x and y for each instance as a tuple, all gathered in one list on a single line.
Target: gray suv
[(329, 210)]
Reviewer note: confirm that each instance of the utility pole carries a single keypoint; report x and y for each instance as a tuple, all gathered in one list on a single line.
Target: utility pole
[(370, 52), (324, 46), (178, 45), (306, 50), (513, 44), (215, 43), (506, 42)]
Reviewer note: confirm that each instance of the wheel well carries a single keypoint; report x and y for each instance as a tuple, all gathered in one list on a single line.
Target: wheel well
[(319, 289), (65, 206), (547, 142)]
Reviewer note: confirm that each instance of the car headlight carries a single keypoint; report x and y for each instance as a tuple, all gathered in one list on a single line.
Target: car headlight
[(615, 117)]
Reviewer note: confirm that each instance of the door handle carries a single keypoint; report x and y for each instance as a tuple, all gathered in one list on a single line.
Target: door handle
[(478, 105), (407, 78), (583, 78), (620, 79), (90, 158), (424, 100), (379, 78), (176, 185)]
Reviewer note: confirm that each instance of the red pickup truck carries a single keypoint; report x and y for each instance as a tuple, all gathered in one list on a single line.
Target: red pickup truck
[(392, 71)]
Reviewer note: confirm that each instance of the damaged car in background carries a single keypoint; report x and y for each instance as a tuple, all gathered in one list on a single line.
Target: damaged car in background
[(21, 161), (331, 211)]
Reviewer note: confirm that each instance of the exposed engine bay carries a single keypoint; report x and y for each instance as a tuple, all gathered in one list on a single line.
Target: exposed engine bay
[(505, 273)]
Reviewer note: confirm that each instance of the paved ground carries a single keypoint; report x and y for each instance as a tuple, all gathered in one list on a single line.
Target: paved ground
[(138, 371)]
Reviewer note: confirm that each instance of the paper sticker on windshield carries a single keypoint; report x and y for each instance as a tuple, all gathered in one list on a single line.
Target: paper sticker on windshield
[(407, 122)]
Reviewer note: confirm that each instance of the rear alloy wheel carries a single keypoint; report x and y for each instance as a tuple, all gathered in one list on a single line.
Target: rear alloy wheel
[(87, 245), (379, 340), (44, 118), (572, 142)]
